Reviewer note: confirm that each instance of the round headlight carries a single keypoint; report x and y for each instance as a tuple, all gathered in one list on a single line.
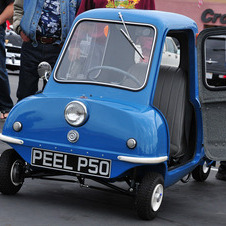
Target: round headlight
[(76, 113)]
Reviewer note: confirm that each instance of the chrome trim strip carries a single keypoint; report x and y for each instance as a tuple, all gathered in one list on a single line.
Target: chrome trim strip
[(8, 139), (143, 160)]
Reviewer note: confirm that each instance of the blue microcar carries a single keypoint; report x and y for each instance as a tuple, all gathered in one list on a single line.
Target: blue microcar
[(122, 104)]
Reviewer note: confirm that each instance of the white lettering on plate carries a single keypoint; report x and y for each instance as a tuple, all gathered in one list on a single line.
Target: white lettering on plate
[(82, 162), (65, 164), (58, 160), (47, 156), (37, 155)]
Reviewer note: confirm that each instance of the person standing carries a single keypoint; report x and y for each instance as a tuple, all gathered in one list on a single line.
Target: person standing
[(43, 26), (6, 103), (129, 4), (221, 173)]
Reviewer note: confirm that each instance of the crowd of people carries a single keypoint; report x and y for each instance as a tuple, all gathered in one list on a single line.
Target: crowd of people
[(43, 26)]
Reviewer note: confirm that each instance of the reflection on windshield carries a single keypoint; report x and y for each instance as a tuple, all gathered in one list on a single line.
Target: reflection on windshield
[(99, 53)]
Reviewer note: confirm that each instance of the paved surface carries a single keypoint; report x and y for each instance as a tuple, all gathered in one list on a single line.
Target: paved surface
[(58, 203)]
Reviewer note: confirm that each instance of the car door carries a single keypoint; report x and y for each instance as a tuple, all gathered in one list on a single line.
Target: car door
[(212, 93)]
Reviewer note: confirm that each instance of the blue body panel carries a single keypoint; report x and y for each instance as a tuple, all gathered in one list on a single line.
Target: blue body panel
[(115, 115), (104, 135)]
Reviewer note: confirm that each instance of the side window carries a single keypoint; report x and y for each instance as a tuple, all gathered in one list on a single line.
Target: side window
[(171, 52), (215, 62)]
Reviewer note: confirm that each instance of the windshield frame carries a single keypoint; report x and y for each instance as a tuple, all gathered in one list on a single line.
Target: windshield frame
[(100, 83)]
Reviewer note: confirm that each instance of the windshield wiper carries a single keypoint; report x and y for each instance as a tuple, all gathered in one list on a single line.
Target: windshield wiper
[(127, 35)]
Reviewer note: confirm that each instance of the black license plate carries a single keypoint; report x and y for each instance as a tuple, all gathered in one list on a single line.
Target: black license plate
[(71, 163)]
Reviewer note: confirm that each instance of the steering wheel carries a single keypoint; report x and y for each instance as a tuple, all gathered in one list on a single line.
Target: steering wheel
[(109, 68)]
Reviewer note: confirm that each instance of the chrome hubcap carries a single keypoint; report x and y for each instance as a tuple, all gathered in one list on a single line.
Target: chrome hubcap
[(15, 174), (157, 197)]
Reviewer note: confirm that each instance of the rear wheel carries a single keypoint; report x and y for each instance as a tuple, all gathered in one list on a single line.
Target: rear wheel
[(149, 196), (201, 172), (11, 172)]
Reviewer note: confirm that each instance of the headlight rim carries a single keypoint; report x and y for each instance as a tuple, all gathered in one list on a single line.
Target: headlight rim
[(85, 113)]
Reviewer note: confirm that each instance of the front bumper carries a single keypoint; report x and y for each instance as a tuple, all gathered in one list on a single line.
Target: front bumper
[(143, 160), (120, 163), (11, 140), (130, 159)]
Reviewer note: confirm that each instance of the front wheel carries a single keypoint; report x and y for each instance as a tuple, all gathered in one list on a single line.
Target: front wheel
[(201, 172), (149, 196), (11, 168)]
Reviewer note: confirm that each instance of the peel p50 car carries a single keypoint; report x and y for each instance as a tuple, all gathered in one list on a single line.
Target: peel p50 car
[(113, 112)]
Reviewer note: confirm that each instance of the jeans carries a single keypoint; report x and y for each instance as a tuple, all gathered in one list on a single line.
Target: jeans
[(6, 102), (30, 58)]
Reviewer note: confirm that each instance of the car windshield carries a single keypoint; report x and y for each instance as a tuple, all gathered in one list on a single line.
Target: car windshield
[(106, 53)]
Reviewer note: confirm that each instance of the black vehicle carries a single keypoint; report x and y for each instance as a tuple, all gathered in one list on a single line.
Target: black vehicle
[(216, 61)]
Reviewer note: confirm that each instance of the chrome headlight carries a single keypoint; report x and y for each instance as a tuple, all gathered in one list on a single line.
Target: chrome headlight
[(76, 113)]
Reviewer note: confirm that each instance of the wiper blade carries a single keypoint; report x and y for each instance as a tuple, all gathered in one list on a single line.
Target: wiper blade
[(120, 16), (132, 43), (127, 35)]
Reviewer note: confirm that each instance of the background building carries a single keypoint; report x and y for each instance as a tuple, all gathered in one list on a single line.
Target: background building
[(205, 13)]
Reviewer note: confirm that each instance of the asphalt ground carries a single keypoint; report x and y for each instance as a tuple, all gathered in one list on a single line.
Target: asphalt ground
[(50, 203)]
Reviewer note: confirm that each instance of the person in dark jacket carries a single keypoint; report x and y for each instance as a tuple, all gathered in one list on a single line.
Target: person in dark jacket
[(6, 103)]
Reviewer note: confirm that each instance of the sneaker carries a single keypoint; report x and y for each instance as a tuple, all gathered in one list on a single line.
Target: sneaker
[(4, 114), (221, 175)]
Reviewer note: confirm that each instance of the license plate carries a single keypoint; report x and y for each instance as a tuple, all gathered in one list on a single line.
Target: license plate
[(71, 163)]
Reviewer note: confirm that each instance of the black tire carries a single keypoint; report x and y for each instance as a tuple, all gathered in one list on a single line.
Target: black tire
[(10, 181), (149, 196), (201, 172)]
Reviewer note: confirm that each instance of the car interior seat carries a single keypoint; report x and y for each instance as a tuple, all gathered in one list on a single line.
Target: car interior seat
[(171, 98)]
